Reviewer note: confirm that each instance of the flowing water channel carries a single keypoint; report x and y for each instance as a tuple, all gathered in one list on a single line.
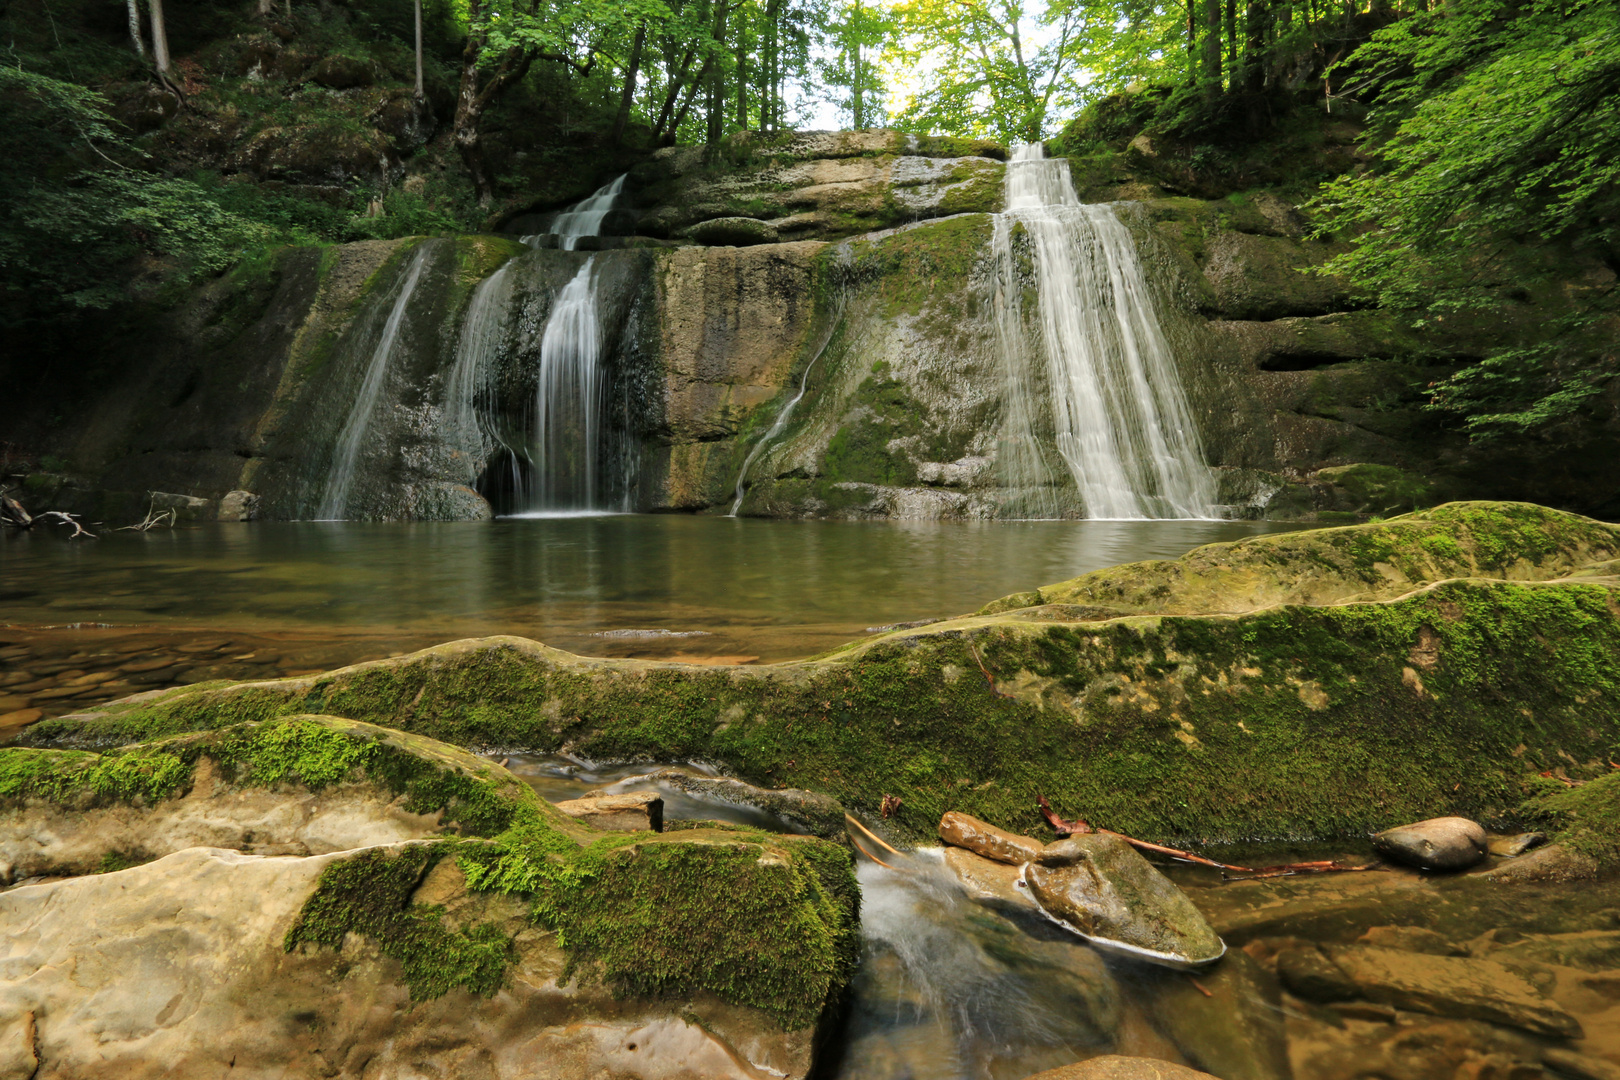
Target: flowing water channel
[(953, 987)]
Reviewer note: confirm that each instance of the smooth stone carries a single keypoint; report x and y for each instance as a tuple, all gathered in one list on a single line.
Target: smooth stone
[(986, 880), (636, 811), (13, 703), (1410, 939), (1310, 975), (1580, 1066), (982, 838), (1114, 898), (1459, 987), (1238, 1031), (1447, 843), (1116, 1067), (733, 232), (1511, 847), (18, 719), (1551, 863)]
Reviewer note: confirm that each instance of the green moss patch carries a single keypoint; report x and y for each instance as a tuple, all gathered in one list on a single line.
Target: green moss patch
[(1586, 818)]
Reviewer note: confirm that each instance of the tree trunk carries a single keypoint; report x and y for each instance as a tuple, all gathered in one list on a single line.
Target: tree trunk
[(627, 98), (1212, 46), (1192, 42), (470, 104), (1254, 48), (267, 8), (742, 79), (160, 40), (1231, 42), (419, 91), (135, 31)]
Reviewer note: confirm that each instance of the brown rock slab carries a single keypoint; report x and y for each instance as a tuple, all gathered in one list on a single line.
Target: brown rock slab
[(1453, 986), (1552, 863), (636, 811), (1581, 1066), (1416, 939), (982, 838), (1310, 975), (17, 720), (1116, 1067), (986, 880), (1447, 843)]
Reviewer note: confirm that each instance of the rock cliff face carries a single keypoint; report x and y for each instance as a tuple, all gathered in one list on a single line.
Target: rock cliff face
[(850, 273)]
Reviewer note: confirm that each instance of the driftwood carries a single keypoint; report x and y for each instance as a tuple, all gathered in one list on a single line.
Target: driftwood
[(153, 519), (1250, 873), (13, 515)]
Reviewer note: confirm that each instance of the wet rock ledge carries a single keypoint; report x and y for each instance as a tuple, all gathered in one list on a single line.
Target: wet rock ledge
[(314, 896)]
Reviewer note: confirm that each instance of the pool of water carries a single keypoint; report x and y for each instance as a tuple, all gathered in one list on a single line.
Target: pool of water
[(631, 585)]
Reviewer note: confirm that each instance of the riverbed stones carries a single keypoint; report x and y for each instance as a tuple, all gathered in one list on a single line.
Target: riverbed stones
[(1230, 1021), (1310, 975), (1107, 892), (1511, 847), (1452, 986), (981, 838), (1118, 1067), (634, 811), (1580, 1066), (1446, 843)]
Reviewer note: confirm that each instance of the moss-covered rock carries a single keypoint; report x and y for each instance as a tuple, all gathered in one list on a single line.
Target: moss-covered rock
[(1379, 696), (649, 916)]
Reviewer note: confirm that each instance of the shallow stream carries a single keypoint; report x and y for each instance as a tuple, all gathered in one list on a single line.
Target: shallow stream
[(954, 988)]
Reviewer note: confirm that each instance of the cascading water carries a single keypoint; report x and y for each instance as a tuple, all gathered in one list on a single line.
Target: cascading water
[(482, 333), (585, 217), (346, 455), (1123, 428), (565, 440)]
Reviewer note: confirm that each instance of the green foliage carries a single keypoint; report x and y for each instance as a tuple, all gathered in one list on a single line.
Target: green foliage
[(1497, 125)]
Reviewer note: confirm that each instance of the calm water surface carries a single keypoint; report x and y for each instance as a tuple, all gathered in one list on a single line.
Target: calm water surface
[(631, 585)]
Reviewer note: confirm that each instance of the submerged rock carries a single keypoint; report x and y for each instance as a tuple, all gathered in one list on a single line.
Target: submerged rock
[(1116, 1067), (1109, 894), (1447, 843), (1511, 847), (1310, 975), (1454, 986), (1235, 1030)]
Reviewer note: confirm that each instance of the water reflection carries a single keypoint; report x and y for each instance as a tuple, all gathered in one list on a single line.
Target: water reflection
[(763, 589)]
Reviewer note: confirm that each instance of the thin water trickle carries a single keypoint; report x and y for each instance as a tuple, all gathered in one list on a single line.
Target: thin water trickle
[(1123, 429), (482, 333), (346, 456)]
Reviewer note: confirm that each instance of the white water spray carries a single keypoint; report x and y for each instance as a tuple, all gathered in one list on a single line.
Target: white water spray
[(1124, 431), (346, 455)]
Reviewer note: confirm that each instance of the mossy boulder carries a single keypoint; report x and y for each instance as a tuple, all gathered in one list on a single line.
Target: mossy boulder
[(1378, 489), (733, 232), (1359, 679), (507, 920)]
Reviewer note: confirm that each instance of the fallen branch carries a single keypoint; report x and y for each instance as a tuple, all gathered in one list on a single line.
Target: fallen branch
[(67, 519), (850, 820), (873, 857), (13, 514), (153, 519), (1252, 873), (989, 678)]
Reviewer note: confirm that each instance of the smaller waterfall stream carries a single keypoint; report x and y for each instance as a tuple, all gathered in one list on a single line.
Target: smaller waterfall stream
[(340, 478), (1124, 430), (585, 217)]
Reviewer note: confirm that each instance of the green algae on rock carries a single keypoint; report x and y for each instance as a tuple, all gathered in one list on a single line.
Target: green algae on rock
[(1392, 702)]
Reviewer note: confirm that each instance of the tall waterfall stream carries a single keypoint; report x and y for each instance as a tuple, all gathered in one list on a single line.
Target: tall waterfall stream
[(1124, 431)]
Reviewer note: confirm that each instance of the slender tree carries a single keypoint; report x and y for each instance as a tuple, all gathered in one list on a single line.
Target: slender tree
[(420, 93), (135, 30)]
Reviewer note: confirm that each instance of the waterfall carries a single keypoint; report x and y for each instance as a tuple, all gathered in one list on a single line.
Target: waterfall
[(482, 333), (787, 411), (1124, 431), (585, 217), (335, 498), (565, 441)]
